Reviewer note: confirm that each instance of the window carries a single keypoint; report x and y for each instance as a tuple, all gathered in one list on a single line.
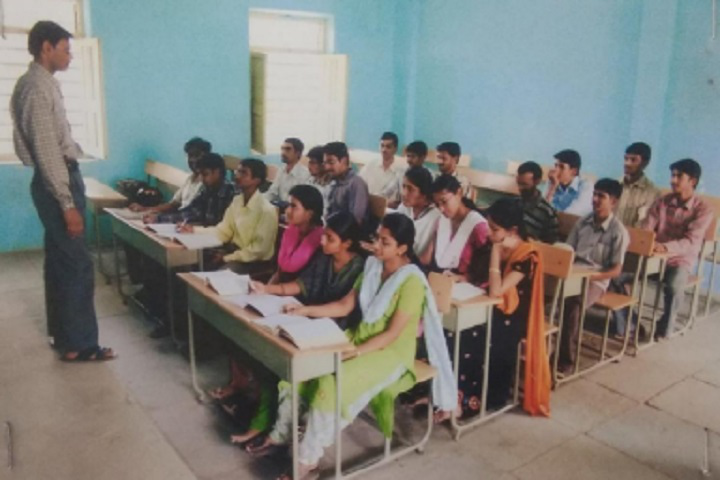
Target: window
[(298, 87), (81, 84)]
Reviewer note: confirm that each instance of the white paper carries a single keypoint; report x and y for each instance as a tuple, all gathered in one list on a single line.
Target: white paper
[(168, 230), (226, 282), (275, 322), (462, 291), (197, 241), (269, 305), (320, 332), (126, 213)]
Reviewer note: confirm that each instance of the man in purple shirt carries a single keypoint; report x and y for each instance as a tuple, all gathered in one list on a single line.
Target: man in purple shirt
[(680, 220)]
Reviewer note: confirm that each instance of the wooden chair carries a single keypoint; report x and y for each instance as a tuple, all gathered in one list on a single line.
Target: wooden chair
[(566, 221), (378, 206)]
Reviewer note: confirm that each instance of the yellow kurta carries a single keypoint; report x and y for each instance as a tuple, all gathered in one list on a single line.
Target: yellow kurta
[(252, 228)]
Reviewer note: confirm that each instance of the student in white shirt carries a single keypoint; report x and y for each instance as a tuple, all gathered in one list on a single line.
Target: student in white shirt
[(293, 173), (382, 175), (417, 203), (195, 148)]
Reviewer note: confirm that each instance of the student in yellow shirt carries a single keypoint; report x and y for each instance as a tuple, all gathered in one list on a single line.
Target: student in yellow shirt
[(250, 223)]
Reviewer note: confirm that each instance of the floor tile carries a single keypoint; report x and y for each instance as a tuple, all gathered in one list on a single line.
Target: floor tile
[(637, 378), (692, 400)]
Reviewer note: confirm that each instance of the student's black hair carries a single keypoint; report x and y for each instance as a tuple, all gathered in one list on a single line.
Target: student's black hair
[(642, 149), (212, 161), (689, 167), (610, 186), (316, 153), (297, 144), (402, 229), (45, 31), (418, 147), (336, 149), (197, 143), (530, 167), (390, 136), (451, 148), (570, 158), (508, 213), (343, 223), (449, 183), (311, 199), (257, 168), (422, 179)]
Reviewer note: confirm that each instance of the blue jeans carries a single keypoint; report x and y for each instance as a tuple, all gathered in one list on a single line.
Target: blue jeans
[(68, 270)]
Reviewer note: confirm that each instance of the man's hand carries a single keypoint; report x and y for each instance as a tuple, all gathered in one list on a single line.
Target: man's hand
[(74, 222), (552, 176), (136, 207)]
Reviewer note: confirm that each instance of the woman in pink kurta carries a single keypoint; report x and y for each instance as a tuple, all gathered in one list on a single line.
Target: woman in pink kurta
[(301, 238)]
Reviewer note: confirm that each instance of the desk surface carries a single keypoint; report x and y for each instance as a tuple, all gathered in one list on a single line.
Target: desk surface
[(248, 317), (138, 225), (95, 190)]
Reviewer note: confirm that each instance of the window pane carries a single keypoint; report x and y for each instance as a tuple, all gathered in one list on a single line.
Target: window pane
[(24, 13)]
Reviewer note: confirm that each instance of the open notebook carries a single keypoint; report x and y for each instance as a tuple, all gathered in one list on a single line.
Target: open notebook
[(192, 241), (264, 304), (462, 291), (226, 283), (304, 332)]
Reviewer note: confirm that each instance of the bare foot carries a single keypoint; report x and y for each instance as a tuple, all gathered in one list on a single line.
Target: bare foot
[(443, 415)]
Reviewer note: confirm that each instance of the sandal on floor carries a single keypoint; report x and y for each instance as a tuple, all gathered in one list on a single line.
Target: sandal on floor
[(92, 354)]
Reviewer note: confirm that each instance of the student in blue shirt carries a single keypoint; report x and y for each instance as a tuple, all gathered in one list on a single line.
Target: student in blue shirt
[(567, 192)]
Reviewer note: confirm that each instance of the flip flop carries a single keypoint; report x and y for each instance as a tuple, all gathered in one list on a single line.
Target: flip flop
[(92, 354)]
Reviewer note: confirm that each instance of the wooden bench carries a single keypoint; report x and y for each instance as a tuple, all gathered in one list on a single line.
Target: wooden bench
[(164, 176)]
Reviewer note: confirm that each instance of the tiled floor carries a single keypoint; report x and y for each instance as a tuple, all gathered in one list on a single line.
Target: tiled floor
[(136, 417)]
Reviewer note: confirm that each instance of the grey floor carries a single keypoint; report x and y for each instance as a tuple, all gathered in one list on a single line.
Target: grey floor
[(136, 417)]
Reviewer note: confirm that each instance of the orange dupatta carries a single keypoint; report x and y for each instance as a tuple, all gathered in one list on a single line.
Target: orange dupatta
[(536, 399)]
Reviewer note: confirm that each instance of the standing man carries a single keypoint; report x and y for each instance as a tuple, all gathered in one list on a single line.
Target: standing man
[(568, 192), (639, 192), (294, 173), (43, 141)]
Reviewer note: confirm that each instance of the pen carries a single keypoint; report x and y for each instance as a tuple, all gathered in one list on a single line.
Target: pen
[(182, 225)]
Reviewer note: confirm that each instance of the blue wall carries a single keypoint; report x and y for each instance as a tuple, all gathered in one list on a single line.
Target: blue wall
[(508, 80)]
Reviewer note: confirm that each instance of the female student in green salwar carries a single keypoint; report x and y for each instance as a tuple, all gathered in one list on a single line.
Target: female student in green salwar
[(393, 295)]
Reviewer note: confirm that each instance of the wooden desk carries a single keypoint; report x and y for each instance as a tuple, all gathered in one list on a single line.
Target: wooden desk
[(167, 253), (463, 316), (278, 355), (99, 197)]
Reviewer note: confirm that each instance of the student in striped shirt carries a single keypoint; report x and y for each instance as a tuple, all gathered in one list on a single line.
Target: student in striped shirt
[(541, 222)]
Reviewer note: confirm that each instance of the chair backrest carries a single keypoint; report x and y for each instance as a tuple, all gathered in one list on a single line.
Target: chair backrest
[(642, 241), (557, 260), (566, 221), (232, 162), (378, 206), (441, 286), (171, 176)]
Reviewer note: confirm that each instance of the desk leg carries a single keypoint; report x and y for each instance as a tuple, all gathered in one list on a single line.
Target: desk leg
[(118, 280), (169, 274), (486, 361), (708, 298), (295, 435), (456, 371), (641, 306), (658, 294), (583, 306), (559, 337), (193, 366), (338, 408), (98, 248)]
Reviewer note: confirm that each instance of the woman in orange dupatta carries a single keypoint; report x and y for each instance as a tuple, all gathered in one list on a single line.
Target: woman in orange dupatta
[(516, 276)]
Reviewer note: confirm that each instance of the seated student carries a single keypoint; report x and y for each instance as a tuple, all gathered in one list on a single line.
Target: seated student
[(567, 192), (250, 223), (195, 148), (448, 156), (319, 178), (329, 276), (541, 222), (600, 240), (680, 220), (416, 153), (639, 192), (208, 208), (393, 295), (516, 276), (348, 192), (293, 173), (461, 229), (302, 235), (417, 204), (382, 175)]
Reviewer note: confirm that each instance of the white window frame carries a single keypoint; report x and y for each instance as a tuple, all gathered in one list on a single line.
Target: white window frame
[(91, 106)]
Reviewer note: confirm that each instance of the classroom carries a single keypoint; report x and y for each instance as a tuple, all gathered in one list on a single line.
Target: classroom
[(207, 203)]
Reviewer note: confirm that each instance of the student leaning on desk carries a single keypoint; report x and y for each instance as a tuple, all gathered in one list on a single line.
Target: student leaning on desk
[(393, 295)]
